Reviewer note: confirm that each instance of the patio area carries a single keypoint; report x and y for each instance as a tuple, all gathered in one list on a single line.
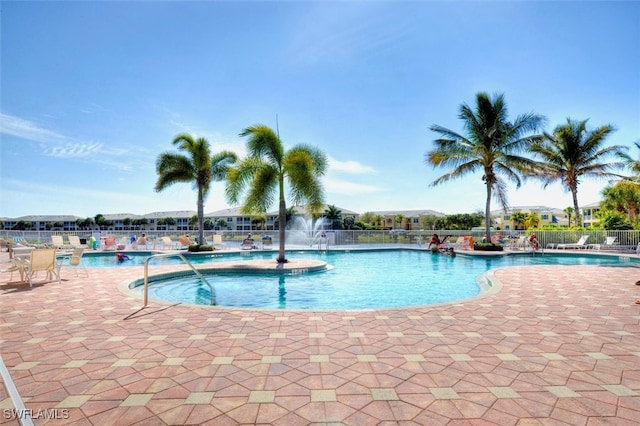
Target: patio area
[(557, 345)]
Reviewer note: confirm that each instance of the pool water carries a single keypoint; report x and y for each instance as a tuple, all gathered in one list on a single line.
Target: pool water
[(356, 280)]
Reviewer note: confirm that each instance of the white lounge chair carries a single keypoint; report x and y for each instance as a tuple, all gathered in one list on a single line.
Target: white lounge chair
[(74, 241), (57, 241), (579, 245), (217, 242), (41, 260)]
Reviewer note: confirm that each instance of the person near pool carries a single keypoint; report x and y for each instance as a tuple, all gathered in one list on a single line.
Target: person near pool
[(122, 257), (533, 240)]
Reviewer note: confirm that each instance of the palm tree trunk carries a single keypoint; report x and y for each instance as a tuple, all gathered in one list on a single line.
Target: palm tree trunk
[(200, 218), (487, 215), (574, 194), (282, 218)]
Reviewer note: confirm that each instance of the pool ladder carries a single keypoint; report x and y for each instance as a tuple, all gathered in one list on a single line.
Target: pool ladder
[(184, 259)]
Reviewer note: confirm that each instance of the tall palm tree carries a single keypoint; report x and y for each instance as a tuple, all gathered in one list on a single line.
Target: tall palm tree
[(200, 167), (633, 164), (572, 153), (266, 169), (490, 144)]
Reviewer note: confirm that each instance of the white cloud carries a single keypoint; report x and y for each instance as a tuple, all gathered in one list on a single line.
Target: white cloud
[(351, 167), (337, 186), (15, 126)]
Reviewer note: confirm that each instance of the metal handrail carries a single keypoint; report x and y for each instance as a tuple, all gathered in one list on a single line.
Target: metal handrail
[(184, 259)]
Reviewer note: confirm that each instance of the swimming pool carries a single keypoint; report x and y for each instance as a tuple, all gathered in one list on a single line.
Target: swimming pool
[(368, 279)]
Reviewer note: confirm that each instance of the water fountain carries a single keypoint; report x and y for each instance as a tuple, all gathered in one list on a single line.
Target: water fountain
[(305, 231)]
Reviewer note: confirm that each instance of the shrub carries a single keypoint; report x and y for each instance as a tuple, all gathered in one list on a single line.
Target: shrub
[(198, 247), (487, 247)]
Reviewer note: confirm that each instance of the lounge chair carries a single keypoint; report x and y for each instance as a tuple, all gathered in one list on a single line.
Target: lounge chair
[(41, 260), (579, 245), (74, 241), (267, 243), (57, 241), (247, 244), (608, 244), (110, 243), (165, 242), (75, 260), (217, 242)]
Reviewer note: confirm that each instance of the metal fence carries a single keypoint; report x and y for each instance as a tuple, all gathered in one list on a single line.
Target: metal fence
[(624, 239)]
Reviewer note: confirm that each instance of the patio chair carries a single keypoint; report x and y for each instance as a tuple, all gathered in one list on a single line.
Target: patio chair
[(74, 241), (608, 244), (57, 241), (247, 244), (267, 243), (110, 243), (579, 245), (41, 260), (165, 242), (218, 243), (75, 261)]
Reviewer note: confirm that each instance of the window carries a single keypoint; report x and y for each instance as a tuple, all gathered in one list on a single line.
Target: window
[(544, 217), (507, 217)]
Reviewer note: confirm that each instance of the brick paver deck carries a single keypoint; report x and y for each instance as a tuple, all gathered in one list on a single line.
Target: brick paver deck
[(557, 345)]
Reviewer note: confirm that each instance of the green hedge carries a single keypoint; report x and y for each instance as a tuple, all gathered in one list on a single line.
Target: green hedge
[(487, 247), (197, 248)]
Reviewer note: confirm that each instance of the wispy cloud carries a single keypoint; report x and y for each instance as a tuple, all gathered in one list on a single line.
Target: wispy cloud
[(25, 129), (350, 166), (56, 145), (329, 36), (73, 150), (338, 186)]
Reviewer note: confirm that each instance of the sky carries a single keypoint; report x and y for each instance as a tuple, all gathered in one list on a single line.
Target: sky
[(91, 93)]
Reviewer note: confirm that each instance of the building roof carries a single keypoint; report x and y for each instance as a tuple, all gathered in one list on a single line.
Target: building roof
[(408, 213)]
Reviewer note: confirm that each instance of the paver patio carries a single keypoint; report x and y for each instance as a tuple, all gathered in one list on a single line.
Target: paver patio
[(557, 345)]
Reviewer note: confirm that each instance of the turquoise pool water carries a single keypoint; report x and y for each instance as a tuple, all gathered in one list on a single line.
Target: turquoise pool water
[(356, 280)]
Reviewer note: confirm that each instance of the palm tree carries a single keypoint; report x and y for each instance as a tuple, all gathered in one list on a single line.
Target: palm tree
[(631, 163), (333, 215), (571, 153), (266, 169), (200, 167), (491, 144), (569, 211)]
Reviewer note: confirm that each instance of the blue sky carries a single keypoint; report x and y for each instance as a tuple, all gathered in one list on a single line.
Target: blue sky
[(93, 92)]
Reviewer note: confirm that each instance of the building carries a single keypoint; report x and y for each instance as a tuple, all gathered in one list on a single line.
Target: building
[(548, 215)]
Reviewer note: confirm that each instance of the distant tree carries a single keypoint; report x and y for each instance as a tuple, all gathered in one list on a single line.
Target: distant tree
[(265, 171), (348, 222), (624, 198), (259, 221), (569, 211), (398, 219), (428, 221), (572, 153), (367, 217), (208, 224), (615, 221), (199, 167), (221, 223), (127, 223), (491, 144), (334, 216), (532, 220), (378, 220), (519, 218), (193, 223)]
